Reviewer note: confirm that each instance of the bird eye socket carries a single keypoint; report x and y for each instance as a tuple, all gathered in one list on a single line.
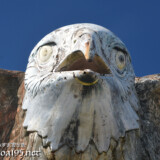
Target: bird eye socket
[(120, 60), (45, 53)]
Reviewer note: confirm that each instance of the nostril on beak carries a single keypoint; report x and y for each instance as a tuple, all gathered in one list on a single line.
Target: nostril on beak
[(89, 60)]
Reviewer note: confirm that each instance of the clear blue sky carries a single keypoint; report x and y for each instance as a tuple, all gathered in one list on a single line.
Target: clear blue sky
[(24, 22)]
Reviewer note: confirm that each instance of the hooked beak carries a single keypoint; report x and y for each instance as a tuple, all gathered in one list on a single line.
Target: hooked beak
[(86, 62), (78, 60)]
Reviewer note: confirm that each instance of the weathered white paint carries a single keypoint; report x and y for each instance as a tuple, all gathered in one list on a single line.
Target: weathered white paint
[(64, 111)]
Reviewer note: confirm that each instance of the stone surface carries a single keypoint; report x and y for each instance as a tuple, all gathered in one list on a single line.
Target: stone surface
[(148, 90), (147, 139), (9, 84)]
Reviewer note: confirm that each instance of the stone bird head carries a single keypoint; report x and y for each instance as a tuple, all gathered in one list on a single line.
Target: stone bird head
[(80, 88)]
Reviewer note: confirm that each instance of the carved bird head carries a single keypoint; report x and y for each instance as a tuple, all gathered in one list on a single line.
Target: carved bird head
[(80, 88)]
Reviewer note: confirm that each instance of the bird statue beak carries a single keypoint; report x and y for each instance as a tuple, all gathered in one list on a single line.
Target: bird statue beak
[(88, 78), (87, 62)]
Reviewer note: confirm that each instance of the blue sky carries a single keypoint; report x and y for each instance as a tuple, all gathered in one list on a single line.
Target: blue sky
[(24, 22)]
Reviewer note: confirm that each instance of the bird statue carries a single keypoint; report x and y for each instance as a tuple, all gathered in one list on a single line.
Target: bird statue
[(80, 100)]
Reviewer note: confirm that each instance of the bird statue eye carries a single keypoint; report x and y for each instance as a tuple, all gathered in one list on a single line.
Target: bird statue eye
[(120, 60), (44, 53)]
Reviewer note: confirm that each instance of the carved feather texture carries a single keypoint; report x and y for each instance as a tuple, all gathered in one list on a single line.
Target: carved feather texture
[(65, 112)]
